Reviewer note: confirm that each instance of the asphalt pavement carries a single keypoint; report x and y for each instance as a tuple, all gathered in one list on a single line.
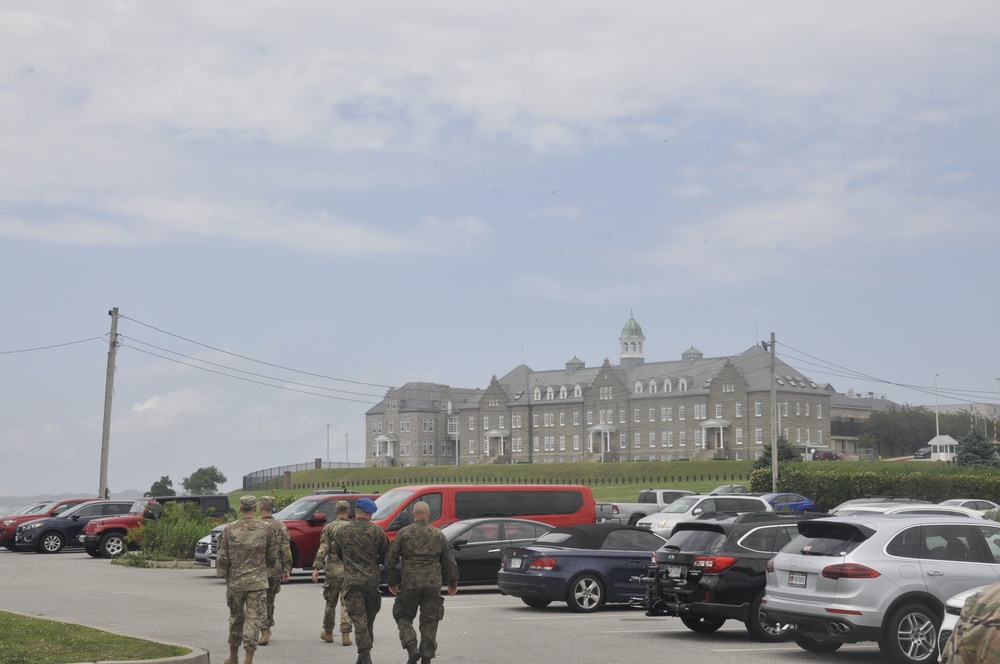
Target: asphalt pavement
[(188, 606)]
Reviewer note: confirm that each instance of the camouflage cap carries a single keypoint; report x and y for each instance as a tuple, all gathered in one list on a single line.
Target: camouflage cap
[(267, 503), (248, 503)]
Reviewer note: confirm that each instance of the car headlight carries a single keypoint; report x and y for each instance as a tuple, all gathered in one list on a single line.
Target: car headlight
[(32, 526), (660, 525), (7, 522)]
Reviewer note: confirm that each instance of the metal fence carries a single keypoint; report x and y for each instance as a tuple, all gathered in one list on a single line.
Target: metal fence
[(270, 478)]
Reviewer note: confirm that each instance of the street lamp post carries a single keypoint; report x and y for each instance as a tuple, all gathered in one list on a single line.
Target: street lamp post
[(328, 444)]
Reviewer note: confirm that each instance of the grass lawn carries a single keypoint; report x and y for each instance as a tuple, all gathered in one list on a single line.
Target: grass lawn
[(28, 640)]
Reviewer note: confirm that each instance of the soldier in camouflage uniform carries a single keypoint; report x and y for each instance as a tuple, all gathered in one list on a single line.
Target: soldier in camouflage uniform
[(246, 548), (281, 571), (333, 577), (362, 546), (427, 561), (976, 639)]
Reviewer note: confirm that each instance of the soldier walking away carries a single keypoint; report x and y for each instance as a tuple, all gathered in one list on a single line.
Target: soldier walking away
[(976, 638), (427, 561), (247, 548), (362, 546), (333, 577), (282, 569)]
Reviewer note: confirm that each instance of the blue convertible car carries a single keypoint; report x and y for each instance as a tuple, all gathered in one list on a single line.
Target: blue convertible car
[(586, 566)]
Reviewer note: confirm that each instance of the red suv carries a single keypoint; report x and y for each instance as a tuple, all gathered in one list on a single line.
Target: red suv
[(304, 519), (9, 524)]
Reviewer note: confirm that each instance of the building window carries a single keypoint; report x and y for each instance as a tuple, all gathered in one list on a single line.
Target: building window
[(682, 385), (562, 443), (577, 391), (472, 446), (428, 448), (538, 394), (807, 436), (667, 385), (500, 420), (797, 408), (621, 440), (549, 394), (576, 418), (590, 417), (670, 439), (652, 387), (635, 416), (798, 434), (683, 438), (670, 413), (718, 410), (472, 423), (758, 434), (621, 416), (534, 443), (562, 418), (697, 437), (680, 412), (807, 409), (638, 387), (637, 440), (534, 420), (486, 422), (739, 435), (652, 439), (562, 391), (652, 414), (576, 441), (516, 444), (739, 409), (819, 411)]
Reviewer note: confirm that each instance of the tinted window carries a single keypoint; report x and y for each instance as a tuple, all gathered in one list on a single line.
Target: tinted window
[(945, 542), (632, 540), (905, 544), (700, 541), (760, 540), (828, 539), (524, 530), (992, 536), (473, 504), (484, 532), (89, 510)]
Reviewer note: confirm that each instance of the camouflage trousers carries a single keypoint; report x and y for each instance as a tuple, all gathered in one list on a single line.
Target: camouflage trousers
[(404, 610), (362, 606), (273, 588), (332, 591), (247, 612)]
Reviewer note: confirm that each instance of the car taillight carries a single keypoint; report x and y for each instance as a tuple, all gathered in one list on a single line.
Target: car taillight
[(714, 564), (770, 566), (543, 563), (849, 571)]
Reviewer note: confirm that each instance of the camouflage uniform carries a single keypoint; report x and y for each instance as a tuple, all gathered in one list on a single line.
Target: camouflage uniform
[(976, 639), (333, 578), (426, 557), (282, 566), (246, 548), (362, 546)]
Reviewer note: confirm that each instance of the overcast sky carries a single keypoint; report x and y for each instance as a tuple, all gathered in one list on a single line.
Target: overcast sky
[(324, 199)]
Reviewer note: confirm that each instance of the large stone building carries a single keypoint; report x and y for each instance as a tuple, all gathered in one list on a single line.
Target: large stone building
[(691, 408)]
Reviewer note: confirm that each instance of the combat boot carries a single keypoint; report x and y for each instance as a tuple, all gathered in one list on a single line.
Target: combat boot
[(265, 636), (326, 636), (364, 657), (345, 638), (234, 656), (249, 657), (414, 654), (425, 660)]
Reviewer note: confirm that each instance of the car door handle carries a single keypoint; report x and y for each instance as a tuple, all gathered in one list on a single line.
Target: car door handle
[(935, 573)]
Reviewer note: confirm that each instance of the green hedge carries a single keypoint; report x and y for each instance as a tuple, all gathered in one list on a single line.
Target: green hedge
[(830, 486)]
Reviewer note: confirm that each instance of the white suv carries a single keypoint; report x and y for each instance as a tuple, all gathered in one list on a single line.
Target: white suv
[(881, 578), (686, 508)]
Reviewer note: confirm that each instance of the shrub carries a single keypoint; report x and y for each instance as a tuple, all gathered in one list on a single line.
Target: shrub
[(174, 534)]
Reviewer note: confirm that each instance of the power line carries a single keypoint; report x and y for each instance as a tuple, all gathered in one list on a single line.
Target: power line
[(68, 343)]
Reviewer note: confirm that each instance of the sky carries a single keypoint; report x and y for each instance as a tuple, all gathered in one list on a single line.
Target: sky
[(298, 205)]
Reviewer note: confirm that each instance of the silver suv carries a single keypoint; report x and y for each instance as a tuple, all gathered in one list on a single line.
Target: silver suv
[(881, 578), (686, 508)]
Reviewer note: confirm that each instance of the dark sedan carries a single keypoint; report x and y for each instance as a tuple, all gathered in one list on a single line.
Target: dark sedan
[(586, 566), (478, 545), (52, 534)]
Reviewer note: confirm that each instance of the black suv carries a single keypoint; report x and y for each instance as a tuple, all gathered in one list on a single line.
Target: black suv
[(713, 569)]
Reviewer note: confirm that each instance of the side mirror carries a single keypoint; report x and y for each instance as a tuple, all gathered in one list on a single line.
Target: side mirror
[(459, 543), (696, 511), (319, 517)]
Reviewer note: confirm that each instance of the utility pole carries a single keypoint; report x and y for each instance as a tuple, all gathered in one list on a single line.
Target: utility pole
[(347, 450), (109, 390), (327, 444), (774, 425)]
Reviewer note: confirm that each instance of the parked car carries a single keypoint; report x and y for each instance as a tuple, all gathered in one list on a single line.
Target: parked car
[(691, 507), (586, 566), (304, 519), (952, 610), (922, 453), (478, 545), (826, 455), (985, 507), (105, 537), (712, 569), (649, 502), (790, 502), (201, 548), (913, 508), (53, 534), (882, 578), (9, 524), (729, 488), (896, 500)]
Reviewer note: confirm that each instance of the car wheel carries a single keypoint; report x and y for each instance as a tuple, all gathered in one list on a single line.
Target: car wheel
[(812, 645), (535, 602), (51, 543), (758, 626), (635, 519), (910, 635), (585, 594), (93, 553), (702, 624), (112, 545)]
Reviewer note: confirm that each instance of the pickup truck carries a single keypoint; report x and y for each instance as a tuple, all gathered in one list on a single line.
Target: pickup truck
[(650, 501)]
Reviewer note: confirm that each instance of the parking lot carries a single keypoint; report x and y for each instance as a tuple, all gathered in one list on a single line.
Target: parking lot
[(187, 606)]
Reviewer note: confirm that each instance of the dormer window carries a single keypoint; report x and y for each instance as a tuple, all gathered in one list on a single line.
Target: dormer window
[(538, 394), (638, 387)]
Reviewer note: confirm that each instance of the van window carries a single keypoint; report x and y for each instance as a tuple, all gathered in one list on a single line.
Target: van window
[(405, 517), (474, 504)]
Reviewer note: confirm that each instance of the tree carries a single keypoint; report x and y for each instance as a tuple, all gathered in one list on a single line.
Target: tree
[(786, 452), (899, 431), (162, 487), (974, 449), (204, 481)]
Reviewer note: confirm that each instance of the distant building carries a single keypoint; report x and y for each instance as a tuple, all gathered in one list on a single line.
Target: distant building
[(691, 408), (848, 413)]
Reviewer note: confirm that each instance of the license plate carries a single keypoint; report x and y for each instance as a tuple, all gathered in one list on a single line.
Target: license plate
[(515, 563), (796, 580), (675, 571)]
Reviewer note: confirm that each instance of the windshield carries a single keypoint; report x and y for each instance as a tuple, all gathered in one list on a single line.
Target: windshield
[(388, 502), (681, 505), (453, 529), (139, 506), (34, 508), (297, 511)]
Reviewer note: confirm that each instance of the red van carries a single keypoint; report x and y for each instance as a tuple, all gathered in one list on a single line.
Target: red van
[(554, 504)]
